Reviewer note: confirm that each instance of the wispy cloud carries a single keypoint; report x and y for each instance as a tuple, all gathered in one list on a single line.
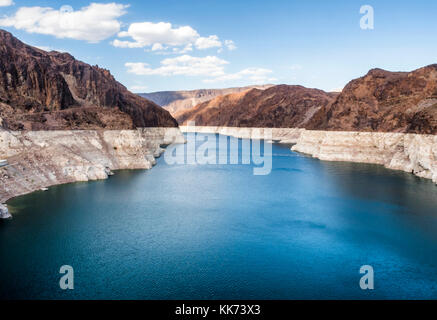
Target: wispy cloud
[(255, 75), (211, 68), (138, 88), (230, 45), (183, 65)]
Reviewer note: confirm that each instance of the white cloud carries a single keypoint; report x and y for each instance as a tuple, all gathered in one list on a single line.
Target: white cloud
[(93, 23), (183, 65), (230, 45), (255, 75), (6, 3), (147, 34), (138, 89), (206, 43), (163, 36), (211, 67), (157, 47)]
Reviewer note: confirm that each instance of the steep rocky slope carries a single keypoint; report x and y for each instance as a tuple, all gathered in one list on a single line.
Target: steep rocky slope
[(50, 90), (280, 106), (384, 101), (178, 101)]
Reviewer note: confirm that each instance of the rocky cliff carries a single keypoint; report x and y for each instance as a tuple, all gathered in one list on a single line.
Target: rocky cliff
[(39, 159), (384, 101), (280, 106), (50, 90), (179, 101)]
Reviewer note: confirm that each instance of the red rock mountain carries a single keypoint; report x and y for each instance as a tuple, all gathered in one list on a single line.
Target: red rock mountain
[(42, 90), (280, 106), (384, 101)]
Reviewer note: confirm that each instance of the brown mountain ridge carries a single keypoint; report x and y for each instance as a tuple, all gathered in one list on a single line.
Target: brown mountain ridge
[(42, 90), (381, 101), (280, 106), (384, 101)]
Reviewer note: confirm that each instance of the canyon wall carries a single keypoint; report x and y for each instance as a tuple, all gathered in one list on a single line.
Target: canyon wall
[(39, 159), (413, 153)]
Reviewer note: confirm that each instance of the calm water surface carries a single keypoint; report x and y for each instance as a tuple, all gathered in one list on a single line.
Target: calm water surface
[(219, 232)]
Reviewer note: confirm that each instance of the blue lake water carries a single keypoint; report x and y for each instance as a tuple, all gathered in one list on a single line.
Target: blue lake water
[(219, 232)]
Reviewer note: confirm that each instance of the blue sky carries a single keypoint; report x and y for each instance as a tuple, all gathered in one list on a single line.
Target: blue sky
[(177, 45)]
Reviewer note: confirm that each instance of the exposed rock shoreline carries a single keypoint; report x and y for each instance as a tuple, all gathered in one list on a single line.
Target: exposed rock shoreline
[(4, 213), (40, 159), (413, 153)]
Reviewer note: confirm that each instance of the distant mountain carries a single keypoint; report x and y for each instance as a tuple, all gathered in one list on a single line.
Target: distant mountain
[(384, 101), (177, 101), (42, 90), (381, 101), (280, 106)]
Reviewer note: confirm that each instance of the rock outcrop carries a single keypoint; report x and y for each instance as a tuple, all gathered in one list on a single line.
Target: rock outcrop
[(413, 153), (40, 159), (280, 106), (178, 101), (4, 213), (42, 90), (384, 101)]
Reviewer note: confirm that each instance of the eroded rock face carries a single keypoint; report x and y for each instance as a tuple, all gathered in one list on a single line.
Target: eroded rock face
[(386, 102), (50, 90), (413, 153), (280, 106), (39, 159)]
